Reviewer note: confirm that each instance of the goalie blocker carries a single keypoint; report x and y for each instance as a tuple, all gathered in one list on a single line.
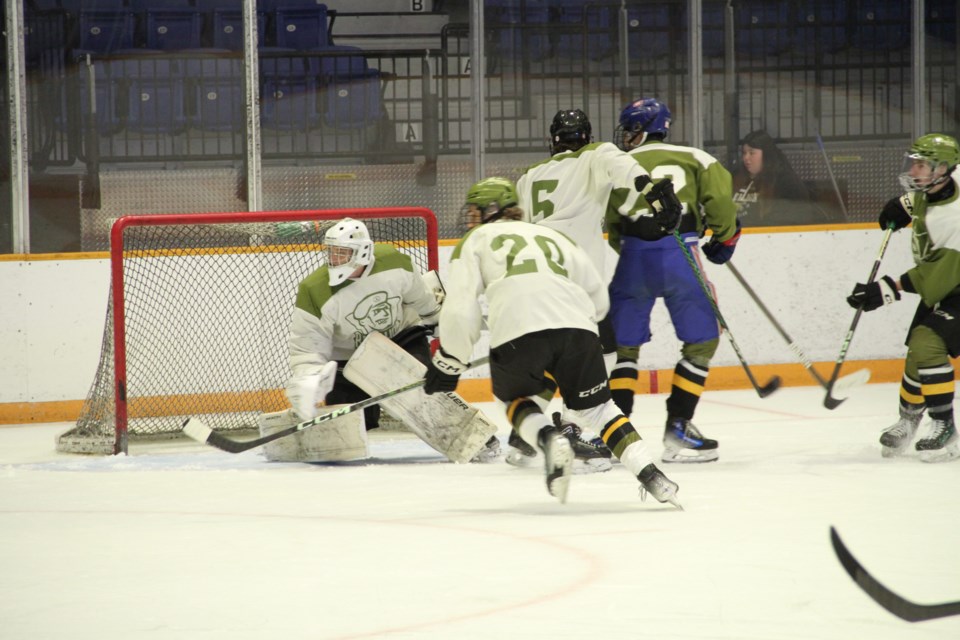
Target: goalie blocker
[(444, 420)]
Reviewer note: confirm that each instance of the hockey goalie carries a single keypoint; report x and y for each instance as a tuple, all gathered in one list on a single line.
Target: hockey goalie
[(359, 328)]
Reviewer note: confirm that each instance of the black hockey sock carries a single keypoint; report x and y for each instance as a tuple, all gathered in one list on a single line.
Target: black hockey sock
[(624, 382), (937, 387), (911, 397), (688, 382), (618, 434)]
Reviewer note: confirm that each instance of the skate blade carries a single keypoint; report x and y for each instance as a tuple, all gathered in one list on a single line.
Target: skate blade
[(558, 475), (672, 500), (593, 465), (948, 453), (689, 456), (517, 459), (894, 452)]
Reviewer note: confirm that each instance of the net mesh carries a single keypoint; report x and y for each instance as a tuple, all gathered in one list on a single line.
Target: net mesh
[(207, 308)]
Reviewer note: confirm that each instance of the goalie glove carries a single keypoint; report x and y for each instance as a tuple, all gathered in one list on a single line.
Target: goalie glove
[(663, 202), (444, 373), (719, 252), (874, 294), (305, 392)]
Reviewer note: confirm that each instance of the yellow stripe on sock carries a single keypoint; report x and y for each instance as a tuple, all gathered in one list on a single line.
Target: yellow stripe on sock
[(911, 398), (687, 385), (624, 384), (616, 424), (513, 408), (937, 389)]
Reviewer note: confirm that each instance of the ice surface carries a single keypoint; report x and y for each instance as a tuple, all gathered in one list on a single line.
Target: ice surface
[(186, 542)]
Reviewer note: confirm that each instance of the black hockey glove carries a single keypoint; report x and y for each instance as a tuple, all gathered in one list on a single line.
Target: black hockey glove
[(874, 295), (664, 204), (894, 214), (443, 374), (719, 252)]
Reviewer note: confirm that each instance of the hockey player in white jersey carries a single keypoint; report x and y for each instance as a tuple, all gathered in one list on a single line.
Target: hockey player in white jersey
[(364, 287), (570, 192), (544, 297), (931, 206)]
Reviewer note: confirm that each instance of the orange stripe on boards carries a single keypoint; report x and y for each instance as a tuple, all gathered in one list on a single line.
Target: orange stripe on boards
[(480, 390)]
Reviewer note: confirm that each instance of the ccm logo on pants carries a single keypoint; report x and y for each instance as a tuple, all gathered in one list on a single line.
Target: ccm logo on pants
[(590, 392)]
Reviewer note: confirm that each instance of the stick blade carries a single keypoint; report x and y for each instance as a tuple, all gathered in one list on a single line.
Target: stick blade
[(843, 386), (197, 430), (770, 387)]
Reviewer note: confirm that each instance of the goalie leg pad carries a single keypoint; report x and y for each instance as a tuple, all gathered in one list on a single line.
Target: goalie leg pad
[(442, 420), (342, 439)]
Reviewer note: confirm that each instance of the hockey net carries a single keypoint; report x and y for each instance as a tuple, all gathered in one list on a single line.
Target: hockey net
[(199, 312)]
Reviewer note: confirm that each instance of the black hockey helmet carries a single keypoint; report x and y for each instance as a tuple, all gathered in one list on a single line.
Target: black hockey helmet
[(569, 131)]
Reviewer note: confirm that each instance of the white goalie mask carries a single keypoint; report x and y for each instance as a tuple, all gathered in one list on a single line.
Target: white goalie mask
[(346, 246)]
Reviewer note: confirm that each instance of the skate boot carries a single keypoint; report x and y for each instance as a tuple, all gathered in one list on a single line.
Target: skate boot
[(520, 454), (653, 481), (591, 456), (940, 445), (489, 453), (896, 438), (683, 442), (558, 461)]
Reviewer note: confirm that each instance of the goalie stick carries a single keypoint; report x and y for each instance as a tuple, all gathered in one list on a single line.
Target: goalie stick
[(829, 401), (860, 377), (895, 604), (204, 434), (774, 383)]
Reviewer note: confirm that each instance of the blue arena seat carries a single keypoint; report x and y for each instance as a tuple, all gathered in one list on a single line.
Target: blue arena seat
[(519, 31), (288, 90), (105, 31), (652, 28), (351, 90), (881, 25), (941, 20), (168, 29), (217, 96), (821, 26), (301, 28), (156, 92), (589, 29), (762, 27)]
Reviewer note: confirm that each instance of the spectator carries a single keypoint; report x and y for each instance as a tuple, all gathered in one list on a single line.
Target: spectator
[(767, 190)]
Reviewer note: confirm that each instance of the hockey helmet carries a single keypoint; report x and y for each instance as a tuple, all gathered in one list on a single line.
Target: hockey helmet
[(641, 117), (346, 246), (923, 162), (487, 200), (569, 131)]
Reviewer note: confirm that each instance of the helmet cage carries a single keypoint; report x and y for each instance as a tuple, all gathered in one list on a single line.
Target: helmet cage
[(641, 117), (932, 151), (347, 246)]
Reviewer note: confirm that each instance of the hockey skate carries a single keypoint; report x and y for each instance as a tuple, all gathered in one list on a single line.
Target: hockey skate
[(558, 461), (940, 444), (591, 456), (489, 453), (653, 481), (520, 454), (683, 442), (896, 438)]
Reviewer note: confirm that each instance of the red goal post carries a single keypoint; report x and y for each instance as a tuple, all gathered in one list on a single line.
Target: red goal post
[(199, 311)]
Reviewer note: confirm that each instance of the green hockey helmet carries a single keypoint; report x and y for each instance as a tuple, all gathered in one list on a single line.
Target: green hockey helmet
[(929, 161), (488, 199)]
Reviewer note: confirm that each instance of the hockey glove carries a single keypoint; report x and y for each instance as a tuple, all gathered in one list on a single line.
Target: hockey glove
[(719, 252), (894, 214), (874, 295), (444, 373), (305, 392), (293, 229), (664, 204)]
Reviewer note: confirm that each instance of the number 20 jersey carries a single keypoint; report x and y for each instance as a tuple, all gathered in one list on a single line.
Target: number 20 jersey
[(534, 278)]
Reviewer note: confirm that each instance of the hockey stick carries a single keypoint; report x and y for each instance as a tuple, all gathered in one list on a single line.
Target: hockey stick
[(774, 383), (858, 378), (204, 434), (897, 605), (833, 179), (829, 401)]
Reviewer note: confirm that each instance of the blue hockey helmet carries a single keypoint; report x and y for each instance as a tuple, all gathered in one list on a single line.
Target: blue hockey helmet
[(644, 116)]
